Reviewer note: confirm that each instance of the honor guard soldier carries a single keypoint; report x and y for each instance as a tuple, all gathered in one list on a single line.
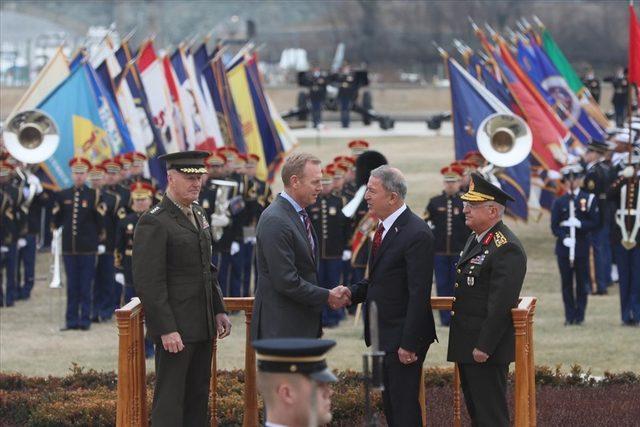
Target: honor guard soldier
[(573, 216), (138, 161), (620, 94), (317, 95), (104, 288), (141, 200), (112, 179), (78, 212), (348, 183), (489, 277), (467, 168), (597, 181), (347, 93), (178, 287), (358, 147), (125, 172), (625, 192), (332, 230), (215, 164), (294, 381), (446, 219), (11, 223), (255, 199), (592, 83)]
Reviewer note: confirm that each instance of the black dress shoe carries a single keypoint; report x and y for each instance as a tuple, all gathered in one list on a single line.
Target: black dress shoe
[(68, 328), (85, 327), (95, 319)]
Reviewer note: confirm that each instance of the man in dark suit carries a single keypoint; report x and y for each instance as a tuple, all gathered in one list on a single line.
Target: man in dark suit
[(289, 302), (399, 282), (489, 277), (178, 287)]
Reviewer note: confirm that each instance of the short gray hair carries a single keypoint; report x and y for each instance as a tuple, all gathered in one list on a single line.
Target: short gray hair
[(392, 180)]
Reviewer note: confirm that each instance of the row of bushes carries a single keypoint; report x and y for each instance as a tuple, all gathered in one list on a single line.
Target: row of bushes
[(88, 398)]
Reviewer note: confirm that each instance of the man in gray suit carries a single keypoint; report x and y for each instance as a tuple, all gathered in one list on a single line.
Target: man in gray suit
[(288, 301)]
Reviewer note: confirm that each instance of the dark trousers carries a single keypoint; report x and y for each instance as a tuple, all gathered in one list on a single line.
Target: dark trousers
[(329, 277), (629, 281), (27, 257), (484, 387), (574, 297), (445, 270), (8, 266), (181, 392), (103, 287), (316, 112), (81, 270), (401, 395), (620, 109), (345, 110), (230, 274), (357, 274), (246, 251), (602, 256)]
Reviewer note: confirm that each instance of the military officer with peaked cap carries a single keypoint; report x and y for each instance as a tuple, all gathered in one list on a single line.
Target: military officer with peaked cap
[(178, 287), (489, 278), (293, 380)]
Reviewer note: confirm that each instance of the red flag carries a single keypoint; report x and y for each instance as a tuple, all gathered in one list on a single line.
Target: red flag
[(634, 47)]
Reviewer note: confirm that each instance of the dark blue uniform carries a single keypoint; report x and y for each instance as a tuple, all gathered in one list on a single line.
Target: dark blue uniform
[(256, 200), (332, 229), (625, 192), (597, 182), (347, 93), (446, 219), (9, 256), (27, 254), (317, 96), (587, 212), (76, 211)]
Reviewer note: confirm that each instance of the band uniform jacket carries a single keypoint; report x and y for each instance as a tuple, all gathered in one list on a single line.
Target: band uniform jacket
[(629, 189), (76, 210), (586, 211), (288, 301), (124, 246), (109, 207), (489, 278), (597, 181), (330, 225), (400, 280), (8, 228), (446, 219), (173, 274)]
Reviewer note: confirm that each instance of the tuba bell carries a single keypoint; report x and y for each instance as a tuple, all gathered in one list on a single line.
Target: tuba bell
[(31, 136), (504, 139)]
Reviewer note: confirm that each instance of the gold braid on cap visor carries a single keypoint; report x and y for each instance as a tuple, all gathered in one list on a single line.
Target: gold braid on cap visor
[(474, 196), (193, 170)]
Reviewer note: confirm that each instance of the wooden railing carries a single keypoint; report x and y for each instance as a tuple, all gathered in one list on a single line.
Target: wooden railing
[(132, 409)]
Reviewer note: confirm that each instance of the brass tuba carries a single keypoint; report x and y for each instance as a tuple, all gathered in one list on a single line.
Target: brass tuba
[(504, 139)]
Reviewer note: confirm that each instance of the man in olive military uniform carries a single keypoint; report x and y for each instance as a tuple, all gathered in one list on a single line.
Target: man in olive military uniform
[(573, 216), (331, 228), (77, 211), (141, 200), (178, 287), (489, 278), (597, 182), (620, 97), (445, 218), (593, 84)]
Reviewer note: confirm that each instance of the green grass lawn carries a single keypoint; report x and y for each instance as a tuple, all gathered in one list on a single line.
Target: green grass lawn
[(30, 342)]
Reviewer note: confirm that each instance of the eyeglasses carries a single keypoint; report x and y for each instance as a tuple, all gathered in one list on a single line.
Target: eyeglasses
[(474, 205)]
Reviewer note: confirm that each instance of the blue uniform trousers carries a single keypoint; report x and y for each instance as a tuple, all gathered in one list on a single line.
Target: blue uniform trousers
[(629, 281), (104, 287), (574, 298), (602, 257), (316, 113), (246, 251), (27, 258), (329, 277), (445, 270), (230, 274), (81, 271), (9, 263), (345, 110)]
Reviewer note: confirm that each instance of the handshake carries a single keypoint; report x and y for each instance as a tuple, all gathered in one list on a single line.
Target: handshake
[(339, 297)]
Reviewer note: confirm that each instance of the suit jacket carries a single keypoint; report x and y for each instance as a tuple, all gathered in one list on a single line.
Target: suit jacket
[(173, 274), (400, 279), (288, 301), (489, 278)]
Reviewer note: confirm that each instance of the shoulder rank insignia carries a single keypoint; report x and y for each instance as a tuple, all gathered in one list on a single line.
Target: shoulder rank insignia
[(122, 212), (500, 239), (154, 209)]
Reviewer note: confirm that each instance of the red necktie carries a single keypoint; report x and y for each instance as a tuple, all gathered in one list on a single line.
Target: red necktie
[(377, 240)]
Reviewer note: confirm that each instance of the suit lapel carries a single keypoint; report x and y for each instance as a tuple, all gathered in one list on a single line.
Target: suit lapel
[(180, 217), (394, 230), (297, 221)]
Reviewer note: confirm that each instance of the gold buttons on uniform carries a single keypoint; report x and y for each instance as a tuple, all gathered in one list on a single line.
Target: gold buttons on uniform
[(454, 298), (453, 312), (458, 271), (457, 285)]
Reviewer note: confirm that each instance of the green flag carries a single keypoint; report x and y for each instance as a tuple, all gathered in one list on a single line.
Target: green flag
[(561, 62)]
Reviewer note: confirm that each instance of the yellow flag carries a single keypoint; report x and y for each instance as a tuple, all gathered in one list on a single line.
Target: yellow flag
[(90, 141)]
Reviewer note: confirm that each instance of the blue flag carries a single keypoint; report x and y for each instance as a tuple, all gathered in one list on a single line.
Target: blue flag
[(471, 103)]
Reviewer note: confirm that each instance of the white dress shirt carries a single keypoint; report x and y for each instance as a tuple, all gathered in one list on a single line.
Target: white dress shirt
[(388, 221)]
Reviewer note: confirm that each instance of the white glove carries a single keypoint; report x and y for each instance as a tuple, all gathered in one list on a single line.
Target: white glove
[(120, 278), (569, 242), (4, 249), (430, 224), (235, 248), (627, 172), (22, 242), (346, 255), (251, 240), (101, 249), (554, 174), (35, 181), (571, 222)]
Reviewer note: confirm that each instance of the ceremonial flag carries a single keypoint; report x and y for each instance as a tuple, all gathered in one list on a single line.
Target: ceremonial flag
[(557, 93), (217, 86), (481, 71), (471, 103), (177, 112), (86, 123), (287, 138), (157, 96), (51, 75), (634, 48), (241, 94)]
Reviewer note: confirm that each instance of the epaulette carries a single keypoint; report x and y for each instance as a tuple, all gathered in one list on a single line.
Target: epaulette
[(122, 212), (155, 210)]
